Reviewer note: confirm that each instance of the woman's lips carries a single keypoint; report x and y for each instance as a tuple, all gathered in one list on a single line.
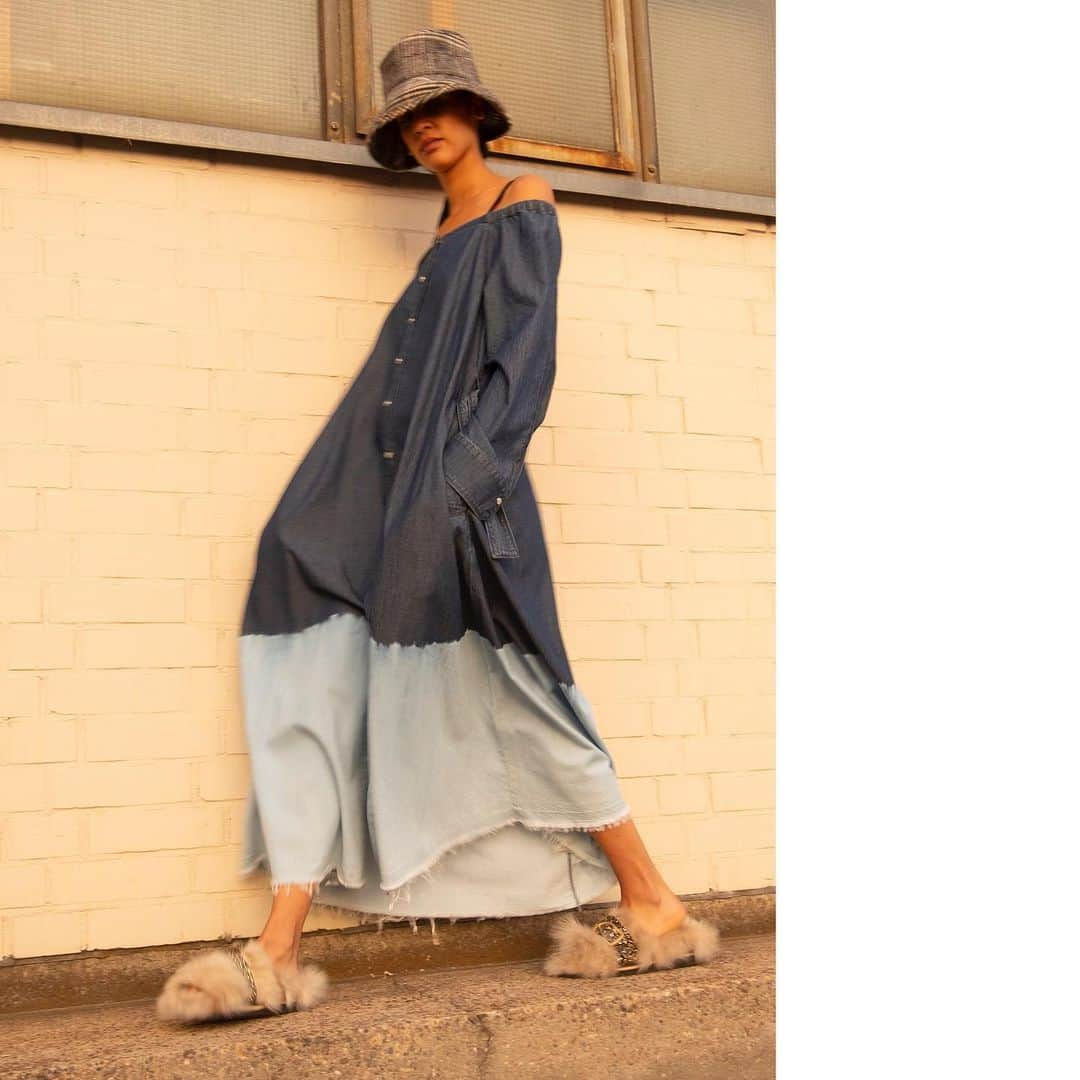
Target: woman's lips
[(429, 146)]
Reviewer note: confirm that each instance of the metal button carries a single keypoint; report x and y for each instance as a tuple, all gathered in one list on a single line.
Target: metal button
[(399, 359), (423, 277), (388, 453), (389, 401), (412, 318), (498, 500)]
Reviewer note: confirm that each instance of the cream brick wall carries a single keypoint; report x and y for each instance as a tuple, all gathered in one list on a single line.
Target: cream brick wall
[(173, 332)]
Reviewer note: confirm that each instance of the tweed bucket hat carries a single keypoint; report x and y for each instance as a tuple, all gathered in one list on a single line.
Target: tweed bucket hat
[(421, 66)]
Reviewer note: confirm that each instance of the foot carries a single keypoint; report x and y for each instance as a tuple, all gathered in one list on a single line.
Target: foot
[(284, 954), (657, 916)]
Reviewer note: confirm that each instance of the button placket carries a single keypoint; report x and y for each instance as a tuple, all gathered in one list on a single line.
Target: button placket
[(390, 455)]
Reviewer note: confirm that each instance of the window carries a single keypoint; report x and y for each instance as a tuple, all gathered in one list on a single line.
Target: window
[(664, 93), (252, 65)]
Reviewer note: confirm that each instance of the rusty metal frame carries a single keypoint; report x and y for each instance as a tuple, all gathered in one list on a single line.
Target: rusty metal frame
[(630, 173), (623, 158)]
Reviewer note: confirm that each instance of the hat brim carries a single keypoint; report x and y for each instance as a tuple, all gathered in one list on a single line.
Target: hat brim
[(384, 139)]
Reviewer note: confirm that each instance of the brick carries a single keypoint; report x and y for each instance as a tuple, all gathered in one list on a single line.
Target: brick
[(130, 877), (723, 282), (661, 487), (18, 510), (708, 452), (566, 484), (657, 414), (163, 922), (142, 828), (224, 777), (87, 693), (670, 640), (662, 837), (604, 641), (589, 371), (621, 680), (22, 787), (641, 796), (579, 602), (593, 562), (697, 345), (607, 449), (23, 886), (42, 214), (109, 258), (170, 228), (110, 427), (296, 317), (91, 784), (623, 719), (67, 340), (683, 794), (20, 693), (105, 178), (219, 871), (151, 737), (20, 601), (704, 313), (49, 933), (613, 524), (664, 565), (274, 236), (648, 757), (731, 714), (125, 301), (582, 409), (165, 388), (677, 716), (126, 556), (111, 512), (743, 790), (38, 467), (730, 753), (745, 870), (185, 471), (34, 741), (43, 835), (148, 645), (114, 601), (733, 638)]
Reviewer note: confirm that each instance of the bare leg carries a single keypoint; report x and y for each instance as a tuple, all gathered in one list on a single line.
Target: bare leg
[(642, 888), (281, 935)]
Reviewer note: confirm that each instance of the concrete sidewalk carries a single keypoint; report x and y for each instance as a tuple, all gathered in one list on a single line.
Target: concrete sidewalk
[(501, 1020)]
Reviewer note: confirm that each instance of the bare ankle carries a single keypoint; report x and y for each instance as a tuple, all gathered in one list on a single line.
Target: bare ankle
[(281, 948)]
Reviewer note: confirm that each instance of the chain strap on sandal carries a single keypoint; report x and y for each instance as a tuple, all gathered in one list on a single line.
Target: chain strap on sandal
[(612, 929)]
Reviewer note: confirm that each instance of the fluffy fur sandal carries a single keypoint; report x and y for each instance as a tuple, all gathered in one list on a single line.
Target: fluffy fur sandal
[(238, 982), (619, 945)]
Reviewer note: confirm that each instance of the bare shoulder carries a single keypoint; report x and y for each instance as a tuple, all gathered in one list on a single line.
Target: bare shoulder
[(529, 186)]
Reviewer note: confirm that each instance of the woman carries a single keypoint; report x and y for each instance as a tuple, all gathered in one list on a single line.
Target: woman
[(417, 743)]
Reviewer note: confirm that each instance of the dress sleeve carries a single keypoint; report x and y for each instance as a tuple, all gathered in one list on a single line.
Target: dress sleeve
[(483, 459)]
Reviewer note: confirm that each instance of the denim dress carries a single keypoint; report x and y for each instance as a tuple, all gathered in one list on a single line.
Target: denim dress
[(417, 743)]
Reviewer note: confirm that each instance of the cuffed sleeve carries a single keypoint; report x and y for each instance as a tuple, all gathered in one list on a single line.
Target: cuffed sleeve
[(485, 455)]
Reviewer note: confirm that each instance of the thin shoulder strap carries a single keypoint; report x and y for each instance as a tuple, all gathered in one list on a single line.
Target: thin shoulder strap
[(498, 198)]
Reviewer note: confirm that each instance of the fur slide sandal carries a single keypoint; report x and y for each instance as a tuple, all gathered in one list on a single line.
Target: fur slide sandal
[(238, 982), (619, 945)]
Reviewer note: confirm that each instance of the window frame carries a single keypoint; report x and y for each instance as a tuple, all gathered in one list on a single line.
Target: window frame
[(631, 172)]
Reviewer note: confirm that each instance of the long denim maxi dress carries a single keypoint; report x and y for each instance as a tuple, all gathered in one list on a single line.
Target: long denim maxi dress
[(418, 747)]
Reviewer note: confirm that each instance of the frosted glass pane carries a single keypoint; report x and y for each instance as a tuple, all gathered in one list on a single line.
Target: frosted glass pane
[(714, 83), (547, 63), (248, 64)]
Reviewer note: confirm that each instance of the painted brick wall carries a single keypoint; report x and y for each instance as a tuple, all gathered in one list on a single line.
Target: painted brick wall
[(174, 329)]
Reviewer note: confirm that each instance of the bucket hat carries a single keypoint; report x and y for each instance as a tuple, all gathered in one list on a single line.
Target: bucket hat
[(422, 66)]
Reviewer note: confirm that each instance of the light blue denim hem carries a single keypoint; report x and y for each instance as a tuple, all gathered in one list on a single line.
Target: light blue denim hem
[(441, 764)]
